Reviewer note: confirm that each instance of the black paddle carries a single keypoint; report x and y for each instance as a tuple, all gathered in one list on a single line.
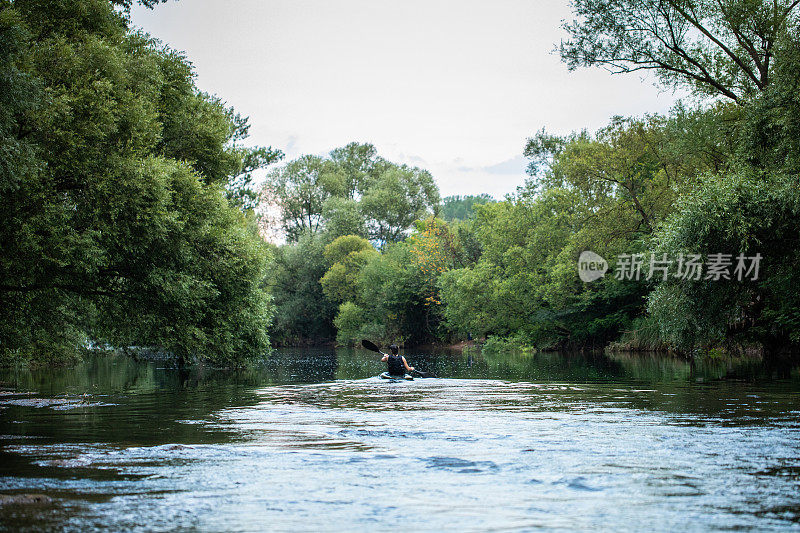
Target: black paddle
[(369, 345)]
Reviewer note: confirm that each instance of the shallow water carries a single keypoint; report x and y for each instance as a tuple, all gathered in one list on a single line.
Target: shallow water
[(314, 441)]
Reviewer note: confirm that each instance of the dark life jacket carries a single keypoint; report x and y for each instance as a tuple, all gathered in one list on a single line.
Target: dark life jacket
[(396, 367)]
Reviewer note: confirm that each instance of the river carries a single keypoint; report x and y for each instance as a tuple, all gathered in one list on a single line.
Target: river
[(314, 441)]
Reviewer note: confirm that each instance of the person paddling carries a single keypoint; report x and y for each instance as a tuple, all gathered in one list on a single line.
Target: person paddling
[(397, 364)]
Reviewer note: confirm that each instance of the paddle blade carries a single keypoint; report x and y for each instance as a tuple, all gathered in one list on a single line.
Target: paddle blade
[(370, 346)]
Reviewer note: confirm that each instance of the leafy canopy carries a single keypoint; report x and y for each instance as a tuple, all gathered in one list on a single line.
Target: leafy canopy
[(123, 222)]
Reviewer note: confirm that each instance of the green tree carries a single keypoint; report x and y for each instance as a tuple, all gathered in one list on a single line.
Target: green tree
[(729, 48), (343, 217), (462, 207), (768, 134), (303, 315), (349, 323), (347, 255), (733, 175), (607, 193), (398, 197), (352, 192), (301, 189), (116, 223), (346, 199), (734, 215), (628, 174), (392, 290), (746, 207), (360, 164)]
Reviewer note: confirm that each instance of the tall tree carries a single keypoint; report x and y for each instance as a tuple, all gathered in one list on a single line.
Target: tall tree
[(116, 226), (398, 197), (360, 165), (720, 48), (301, 189), (353, 191)]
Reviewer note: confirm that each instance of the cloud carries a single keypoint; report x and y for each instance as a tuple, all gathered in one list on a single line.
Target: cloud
[(291, 146), (411, 159), (510, 167), (515, 165)]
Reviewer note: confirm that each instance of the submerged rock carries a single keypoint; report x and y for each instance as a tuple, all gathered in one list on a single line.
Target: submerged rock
[(25, 499)]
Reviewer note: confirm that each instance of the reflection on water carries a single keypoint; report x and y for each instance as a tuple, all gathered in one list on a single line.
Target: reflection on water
[(314, 441)]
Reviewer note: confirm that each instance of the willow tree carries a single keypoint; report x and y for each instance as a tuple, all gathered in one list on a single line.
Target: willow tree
[(725, 48), (122, 201)]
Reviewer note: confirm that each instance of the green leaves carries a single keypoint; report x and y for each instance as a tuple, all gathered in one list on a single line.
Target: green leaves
[(116, 179), (301, 189), (347, 255), (398, 197), (733, 214), (349, 322), (352, 192), (462, 207), (724, 48), (302, 312)]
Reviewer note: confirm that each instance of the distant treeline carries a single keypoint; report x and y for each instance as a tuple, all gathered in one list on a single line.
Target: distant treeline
[(713, 183)]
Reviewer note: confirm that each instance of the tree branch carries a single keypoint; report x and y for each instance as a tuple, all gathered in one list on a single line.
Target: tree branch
[(736, 59)]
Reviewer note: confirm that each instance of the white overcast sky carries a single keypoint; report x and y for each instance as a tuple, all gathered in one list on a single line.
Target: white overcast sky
[(453, 86)]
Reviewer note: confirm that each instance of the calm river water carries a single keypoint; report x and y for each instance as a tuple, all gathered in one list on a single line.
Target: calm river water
[(315, 442)]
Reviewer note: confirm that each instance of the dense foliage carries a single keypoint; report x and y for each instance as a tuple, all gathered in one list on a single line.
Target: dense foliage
[(462, 207), (128, 212), (354, 191), (335, 213), (125, 195)]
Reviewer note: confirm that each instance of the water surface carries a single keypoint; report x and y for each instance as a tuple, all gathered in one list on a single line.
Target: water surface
[(314, 441)]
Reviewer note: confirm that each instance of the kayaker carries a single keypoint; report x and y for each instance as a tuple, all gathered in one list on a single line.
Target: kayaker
[(396, 363)]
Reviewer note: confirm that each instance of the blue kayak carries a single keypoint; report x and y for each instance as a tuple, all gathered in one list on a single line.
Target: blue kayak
[(387, 375)]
